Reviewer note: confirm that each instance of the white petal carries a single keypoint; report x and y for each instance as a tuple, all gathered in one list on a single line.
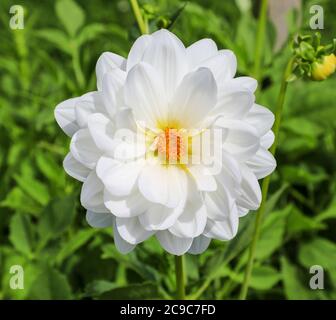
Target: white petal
[(88, 104), (192, 221), (242, 139), (84, 149), (129, 143), (251, 193), (223, 65), (118, 177), (262, 163), (233, 104), (112, 92), (261, 118), (92, 194), (204, 179), (102, 131), (125, 150), (99, 220), (223, 229), (108, 62), (124, 119), (200, 51), (219, 204), (194, 98), (159, 217), (145, 95), (137, 51), (267, 140), (125, 207), (173, 244), (166, 185), (131, 230), (167, 54), (230, 167), (122, 245), (247, 83), (65, 116), (242, 211), (230, 175), (74, 168), (199, 245)]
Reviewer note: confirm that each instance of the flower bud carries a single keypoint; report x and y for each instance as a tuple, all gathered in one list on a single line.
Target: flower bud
[(322, 70)]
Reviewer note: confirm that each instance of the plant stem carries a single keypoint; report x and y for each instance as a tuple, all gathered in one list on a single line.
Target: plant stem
[(77, 68), (180, 290), (143, 26), (260, 40), (265, 183)]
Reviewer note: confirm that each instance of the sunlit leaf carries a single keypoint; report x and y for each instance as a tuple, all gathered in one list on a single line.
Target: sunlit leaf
[(21, 234), (71, 15)]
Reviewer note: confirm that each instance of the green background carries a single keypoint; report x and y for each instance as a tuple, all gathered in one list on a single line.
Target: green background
[(42, 225)]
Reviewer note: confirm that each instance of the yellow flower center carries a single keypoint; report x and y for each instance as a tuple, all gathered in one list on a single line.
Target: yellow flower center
[(172, 145)]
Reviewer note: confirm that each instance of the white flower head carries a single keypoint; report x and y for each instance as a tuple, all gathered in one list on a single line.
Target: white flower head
[(170, 145)]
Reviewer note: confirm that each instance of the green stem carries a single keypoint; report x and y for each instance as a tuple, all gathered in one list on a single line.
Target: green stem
[(260, 40), (77, 68), (265, 183), (180, 290), (201, 289), (230, 284), (143, 26)]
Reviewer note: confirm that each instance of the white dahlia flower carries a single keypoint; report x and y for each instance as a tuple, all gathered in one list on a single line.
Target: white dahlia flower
[(171, 144)]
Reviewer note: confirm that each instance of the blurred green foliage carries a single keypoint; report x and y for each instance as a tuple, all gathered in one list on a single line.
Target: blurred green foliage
[(42, 225)]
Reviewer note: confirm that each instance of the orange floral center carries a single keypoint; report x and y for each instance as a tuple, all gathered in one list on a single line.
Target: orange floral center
[(171, 145)]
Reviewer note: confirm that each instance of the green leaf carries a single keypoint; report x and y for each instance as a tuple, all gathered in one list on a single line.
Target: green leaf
[(16, 199), (130, 261), (264, 277), (50, 284), (21, 234), (272, 232), (302, 127), (329, 213), (245, 35), (293, 284), (56, 218), (75, 242), (301, 175), (298, 222), (71, 15), (98, 287), (319, 251), (34, 188), (56, 37), (90, 32), (50, 168), (297, 145), (133, 291), (175, 15)]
